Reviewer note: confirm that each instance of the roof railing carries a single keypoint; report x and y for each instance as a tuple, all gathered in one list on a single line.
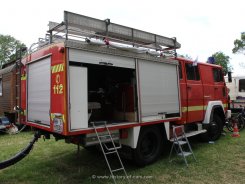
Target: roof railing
[(81, 25)]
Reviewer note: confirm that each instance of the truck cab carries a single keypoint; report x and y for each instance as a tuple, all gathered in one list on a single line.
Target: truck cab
[(203, 93)]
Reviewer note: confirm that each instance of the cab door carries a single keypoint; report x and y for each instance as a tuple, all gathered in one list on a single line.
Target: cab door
[(219, 84), (194, 90), (183, 92)]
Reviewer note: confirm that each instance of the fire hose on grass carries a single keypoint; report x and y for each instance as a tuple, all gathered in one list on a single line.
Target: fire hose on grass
[(22, 154)]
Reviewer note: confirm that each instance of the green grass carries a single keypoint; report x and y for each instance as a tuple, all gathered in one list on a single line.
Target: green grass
[(52, 162)]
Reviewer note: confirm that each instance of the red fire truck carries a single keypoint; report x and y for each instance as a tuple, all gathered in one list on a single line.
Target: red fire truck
[(92, 75)]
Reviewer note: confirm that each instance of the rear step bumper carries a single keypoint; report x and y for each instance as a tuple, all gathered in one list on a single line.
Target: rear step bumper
[(91, 139), (193, 133)]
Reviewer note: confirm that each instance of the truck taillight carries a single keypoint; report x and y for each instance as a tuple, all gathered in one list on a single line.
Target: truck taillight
[(58, 124)]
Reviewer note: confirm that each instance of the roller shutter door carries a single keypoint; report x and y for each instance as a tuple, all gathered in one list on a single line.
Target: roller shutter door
[(38, 92)]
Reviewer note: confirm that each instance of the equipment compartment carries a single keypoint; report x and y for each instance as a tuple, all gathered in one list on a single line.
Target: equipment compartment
[(111, 93)]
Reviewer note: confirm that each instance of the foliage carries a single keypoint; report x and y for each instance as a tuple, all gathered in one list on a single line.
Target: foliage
[(8, 47), (223, 60), (239, 44)]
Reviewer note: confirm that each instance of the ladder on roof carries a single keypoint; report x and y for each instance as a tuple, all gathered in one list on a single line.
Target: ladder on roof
[(109, 150), (80, 25), (181, 144)]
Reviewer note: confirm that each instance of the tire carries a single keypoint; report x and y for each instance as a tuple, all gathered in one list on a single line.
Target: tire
[(93, 148), (149, 146), (214, 129)]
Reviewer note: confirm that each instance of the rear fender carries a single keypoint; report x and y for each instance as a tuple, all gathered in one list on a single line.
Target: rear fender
[(134, 132), (133, 136)]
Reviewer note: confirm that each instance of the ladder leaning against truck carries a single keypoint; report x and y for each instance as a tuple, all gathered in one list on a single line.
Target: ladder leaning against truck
[(90, 75)]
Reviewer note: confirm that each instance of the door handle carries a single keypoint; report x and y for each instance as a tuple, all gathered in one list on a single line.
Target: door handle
[(188, 87)]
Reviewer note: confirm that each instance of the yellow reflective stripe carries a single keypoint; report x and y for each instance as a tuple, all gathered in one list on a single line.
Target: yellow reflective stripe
[(184, 109), (23, 77), (23, 112), (52, 116), (193, 108), (198, 108), (58, 68)]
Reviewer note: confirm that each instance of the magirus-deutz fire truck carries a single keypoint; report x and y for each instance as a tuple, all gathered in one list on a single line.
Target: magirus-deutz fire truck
[(90, 77)]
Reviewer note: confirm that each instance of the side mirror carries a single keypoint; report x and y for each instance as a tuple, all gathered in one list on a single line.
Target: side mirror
[(229, 77)]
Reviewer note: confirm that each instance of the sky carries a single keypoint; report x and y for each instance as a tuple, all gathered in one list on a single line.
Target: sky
[(201, 27)]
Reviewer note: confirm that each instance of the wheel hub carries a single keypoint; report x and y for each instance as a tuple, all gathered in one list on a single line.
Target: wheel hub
[(214, 128), (148, 146)]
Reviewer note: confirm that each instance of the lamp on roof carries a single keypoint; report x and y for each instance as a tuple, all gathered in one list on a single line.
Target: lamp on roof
[(211, 60)]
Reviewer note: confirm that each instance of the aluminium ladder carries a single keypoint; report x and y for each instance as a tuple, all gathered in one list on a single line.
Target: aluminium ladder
[(18, 56), (109, 151), (180, 140), (18, 85)]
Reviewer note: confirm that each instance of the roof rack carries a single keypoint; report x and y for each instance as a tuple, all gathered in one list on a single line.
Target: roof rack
[(80, 25)]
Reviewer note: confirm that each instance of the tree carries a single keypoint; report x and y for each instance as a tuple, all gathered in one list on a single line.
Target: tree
[(239, 45), (223, 60), (8, 47)]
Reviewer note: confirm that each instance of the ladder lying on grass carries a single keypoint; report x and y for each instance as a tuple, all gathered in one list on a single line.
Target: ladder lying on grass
[(180, 140), (109, 150)]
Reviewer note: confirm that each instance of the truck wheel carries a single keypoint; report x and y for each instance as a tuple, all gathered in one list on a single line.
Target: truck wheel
[(214, 129), (91, 148), (149, 146)]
